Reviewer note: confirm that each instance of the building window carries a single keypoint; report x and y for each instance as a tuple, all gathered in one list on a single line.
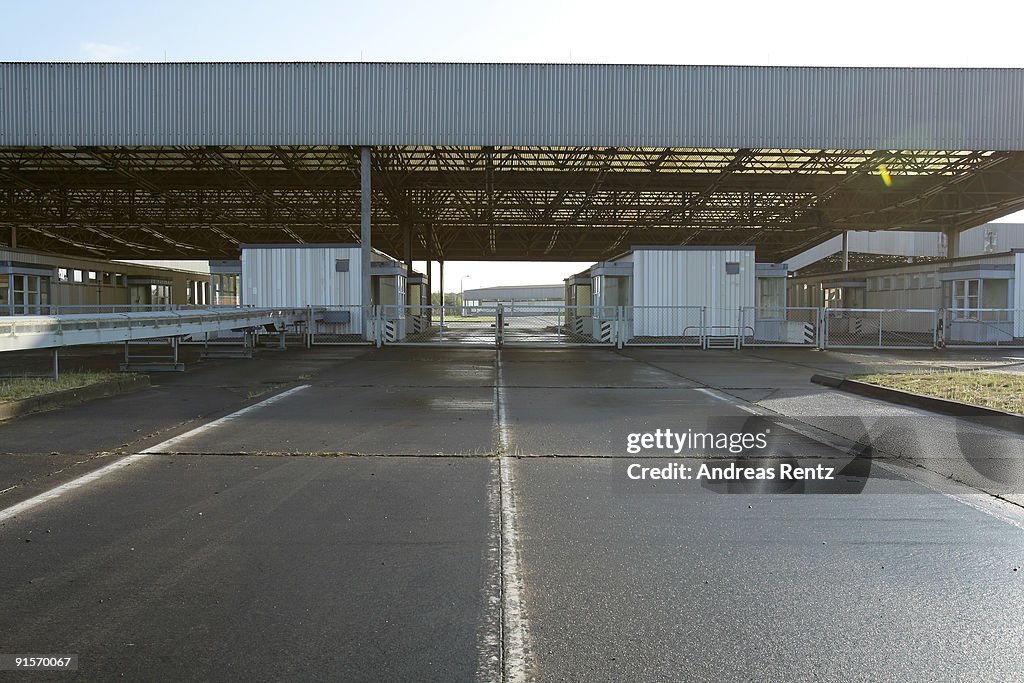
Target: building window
[(63, 274), (78, 276), (771, 298), (24, 294), (225, 289), (966, 299)]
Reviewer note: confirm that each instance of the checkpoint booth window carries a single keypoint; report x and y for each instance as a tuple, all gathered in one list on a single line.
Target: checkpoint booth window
[(224, 282), (24, 288), (149, 292)]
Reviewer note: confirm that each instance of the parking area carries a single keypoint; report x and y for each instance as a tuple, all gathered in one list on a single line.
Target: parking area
[(360, 526)]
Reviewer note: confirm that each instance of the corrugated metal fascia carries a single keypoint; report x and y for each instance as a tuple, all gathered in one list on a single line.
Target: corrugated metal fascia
[(506, 104)]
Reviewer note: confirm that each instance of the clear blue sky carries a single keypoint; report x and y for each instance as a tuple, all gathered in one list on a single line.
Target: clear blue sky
[(815, 33)]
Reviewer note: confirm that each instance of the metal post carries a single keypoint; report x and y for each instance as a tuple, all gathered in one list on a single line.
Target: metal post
[(620, 332), (846, 250), (14, 237), (879, 329), (499, 325), (379, 326), (309, 327), (365, 189), (56, 363), (407, 244), (703, 326), (441, 278)]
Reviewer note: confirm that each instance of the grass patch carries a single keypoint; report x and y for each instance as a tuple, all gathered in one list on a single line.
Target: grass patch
[(16, 388), (999, 390)]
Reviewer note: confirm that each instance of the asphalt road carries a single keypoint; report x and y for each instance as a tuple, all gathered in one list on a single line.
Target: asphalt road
[(355, 529)]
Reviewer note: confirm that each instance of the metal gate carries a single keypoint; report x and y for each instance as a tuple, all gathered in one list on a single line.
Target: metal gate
[(542, 325)]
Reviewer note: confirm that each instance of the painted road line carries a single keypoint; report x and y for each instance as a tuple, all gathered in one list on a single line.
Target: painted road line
[(514, 626), (86, 479), (489, 642), (500, 411), (164, 446)]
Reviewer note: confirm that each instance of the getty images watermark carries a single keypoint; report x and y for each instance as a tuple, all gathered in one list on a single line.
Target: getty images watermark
[(764, 455)]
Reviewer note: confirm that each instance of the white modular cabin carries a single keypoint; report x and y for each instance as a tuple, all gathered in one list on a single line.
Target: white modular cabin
[(678, 292), (772, 320), (327, 276), (579, 309)]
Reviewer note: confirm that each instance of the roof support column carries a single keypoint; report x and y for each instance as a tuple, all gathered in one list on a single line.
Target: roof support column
[(408, 248), (846, 250), (14, 237), (364, 236), (952, 243)]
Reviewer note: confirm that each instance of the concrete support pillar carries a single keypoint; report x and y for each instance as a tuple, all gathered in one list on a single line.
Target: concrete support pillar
[(441, 287), (846, 250), (364, 234), (952, 243), (407, 246)]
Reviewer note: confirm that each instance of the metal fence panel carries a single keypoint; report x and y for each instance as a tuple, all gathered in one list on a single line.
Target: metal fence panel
[(790, 326), (438, 325), (881, 328), (983, 327), (342, 325), (556, 324), (664, 326)]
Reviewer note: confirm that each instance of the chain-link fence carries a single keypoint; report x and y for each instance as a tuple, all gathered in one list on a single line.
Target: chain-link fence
[(342, 325), (880, 328), (438, 325), (554, 324), (663, 325), (790, 326), (983, 327)]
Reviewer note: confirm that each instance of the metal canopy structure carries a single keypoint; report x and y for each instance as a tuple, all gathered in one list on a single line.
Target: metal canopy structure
[(192, 160)]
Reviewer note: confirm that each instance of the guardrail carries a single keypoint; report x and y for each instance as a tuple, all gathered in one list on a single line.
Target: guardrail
[(54, 331)]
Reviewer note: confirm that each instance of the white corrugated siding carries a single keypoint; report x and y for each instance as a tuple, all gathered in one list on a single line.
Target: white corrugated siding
[(510, 104), (691, 277), (295, 277)]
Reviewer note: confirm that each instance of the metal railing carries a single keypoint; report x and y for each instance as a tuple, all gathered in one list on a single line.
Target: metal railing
[(983, 327), (342, 325), (789, 326), (880, 328), (664, 326), (553, 325)]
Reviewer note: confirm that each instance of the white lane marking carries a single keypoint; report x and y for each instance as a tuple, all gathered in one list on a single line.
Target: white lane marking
[(86, 479), (514, 624), (985, 503), (164, 446), (500, 413), (717, 395), (489, 642)]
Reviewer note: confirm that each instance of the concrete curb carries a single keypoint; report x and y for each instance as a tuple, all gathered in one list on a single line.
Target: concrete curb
[(72, 397), (909, 398)]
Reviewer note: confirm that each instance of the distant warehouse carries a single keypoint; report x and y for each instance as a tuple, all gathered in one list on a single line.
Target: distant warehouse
[(514, 294)]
